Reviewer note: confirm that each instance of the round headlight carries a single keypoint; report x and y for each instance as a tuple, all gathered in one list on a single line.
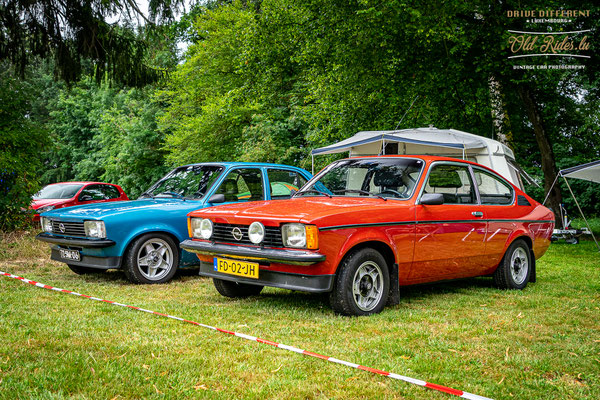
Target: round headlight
[(206, 229), (256, 232)]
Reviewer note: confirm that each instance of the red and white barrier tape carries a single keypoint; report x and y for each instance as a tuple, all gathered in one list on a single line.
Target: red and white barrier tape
[(419, 382)]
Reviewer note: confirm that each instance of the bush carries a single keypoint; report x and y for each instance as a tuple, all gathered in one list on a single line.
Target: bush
[(21, 141)]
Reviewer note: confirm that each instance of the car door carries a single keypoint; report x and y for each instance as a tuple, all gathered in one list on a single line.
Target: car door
[(283, 182), (91, 194), (497, 199), (242, 184), (110, 192), (450, 237)]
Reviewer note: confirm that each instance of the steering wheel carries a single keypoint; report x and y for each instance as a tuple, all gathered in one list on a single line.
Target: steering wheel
[(394, 192)]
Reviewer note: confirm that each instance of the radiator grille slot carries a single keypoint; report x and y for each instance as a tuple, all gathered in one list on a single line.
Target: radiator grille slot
[(68, 228), (223, 233)]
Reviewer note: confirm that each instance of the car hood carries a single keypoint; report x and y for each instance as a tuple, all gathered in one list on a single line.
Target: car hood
[(318, 210), (35, 204), (119, 208)]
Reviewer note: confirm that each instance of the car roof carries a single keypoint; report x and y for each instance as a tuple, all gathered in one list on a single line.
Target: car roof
[(427, 158), (241, 163), (82, 183)]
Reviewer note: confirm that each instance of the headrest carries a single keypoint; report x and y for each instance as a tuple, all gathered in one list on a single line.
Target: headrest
[(388, 177), (444, 177)]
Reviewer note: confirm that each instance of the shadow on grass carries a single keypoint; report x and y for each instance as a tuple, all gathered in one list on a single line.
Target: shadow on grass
[(282, 299)]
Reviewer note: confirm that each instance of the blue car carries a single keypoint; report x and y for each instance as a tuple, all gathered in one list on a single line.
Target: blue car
[(142, 236)]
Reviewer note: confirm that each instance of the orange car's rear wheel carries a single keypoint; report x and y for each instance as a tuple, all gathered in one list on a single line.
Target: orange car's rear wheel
[(362, 284), (515, 268)]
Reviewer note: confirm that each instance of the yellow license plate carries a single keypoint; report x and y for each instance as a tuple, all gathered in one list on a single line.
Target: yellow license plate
[(234, 267)]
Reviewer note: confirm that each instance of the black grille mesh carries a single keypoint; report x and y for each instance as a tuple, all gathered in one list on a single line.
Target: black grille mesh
[(70, 228), (223, 233)]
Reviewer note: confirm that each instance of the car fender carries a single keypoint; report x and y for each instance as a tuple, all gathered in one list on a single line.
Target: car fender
[(143, 229), (517, 233), (364, 235)]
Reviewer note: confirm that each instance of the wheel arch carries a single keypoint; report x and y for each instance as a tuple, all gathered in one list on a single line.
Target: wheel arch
[(139, 234), (388, 254)]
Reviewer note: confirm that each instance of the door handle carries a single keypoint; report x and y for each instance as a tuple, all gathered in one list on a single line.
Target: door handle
[(477, 214)]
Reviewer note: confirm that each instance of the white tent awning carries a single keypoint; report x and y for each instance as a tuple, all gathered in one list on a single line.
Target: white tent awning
[(450, 138), (588, 172)]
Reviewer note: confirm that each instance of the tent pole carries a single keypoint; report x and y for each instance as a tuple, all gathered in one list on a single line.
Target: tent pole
[(581, 212), (552, 187), (312, 163)]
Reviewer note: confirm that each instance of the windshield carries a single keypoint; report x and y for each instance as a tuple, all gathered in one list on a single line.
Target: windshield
[(57, 191), (192, 181), (394, 178)]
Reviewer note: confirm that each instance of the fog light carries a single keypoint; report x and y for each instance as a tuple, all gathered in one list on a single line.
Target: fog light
[(256, 232)]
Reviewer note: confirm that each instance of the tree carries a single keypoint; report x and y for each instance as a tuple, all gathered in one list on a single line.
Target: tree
[(71, 31), (21, 141)]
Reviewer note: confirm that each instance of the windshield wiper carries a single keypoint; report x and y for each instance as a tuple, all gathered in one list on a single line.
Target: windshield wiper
[(146, 193), (313, 191), (359, 191), (174, 194), (195, 196)]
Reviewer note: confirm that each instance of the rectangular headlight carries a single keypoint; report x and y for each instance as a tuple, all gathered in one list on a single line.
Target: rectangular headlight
[(94, 229), (46, 224), (195, 227)]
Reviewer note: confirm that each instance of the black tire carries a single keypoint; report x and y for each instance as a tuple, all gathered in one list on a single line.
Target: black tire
[(79, 270), (146, 262), (372, 288), (515, 268), (235, 289)]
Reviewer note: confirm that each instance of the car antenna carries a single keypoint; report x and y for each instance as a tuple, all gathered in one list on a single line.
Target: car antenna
[(406, 112)]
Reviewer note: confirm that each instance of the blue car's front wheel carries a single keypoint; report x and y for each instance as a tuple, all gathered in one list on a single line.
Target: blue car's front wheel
[(152, 258)]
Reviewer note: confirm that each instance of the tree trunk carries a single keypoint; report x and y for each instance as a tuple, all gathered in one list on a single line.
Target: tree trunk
[(548, 161), (499, 115)]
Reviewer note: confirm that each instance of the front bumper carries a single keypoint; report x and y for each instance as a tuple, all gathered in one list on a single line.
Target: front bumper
[(283, 280), (75, 242), (294, 257), (88, 261)]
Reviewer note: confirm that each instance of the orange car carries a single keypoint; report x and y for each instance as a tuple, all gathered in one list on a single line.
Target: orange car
[(365, 226)]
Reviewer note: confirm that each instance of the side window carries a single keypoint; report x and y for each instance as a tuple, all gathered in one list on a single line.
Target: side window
[(283, 181), (244, 184), (92, 192), (453, 182), (110, 192), (492, 190)]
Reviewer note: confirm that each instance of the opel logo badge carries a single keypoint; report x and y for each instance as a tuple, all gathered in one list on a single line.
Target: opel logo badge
[(237, 233), (61, 226)]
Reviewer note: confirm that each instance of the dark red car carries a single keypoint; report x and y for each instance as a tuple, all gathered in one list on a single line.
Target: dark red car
[(68, 194), (364, 227)]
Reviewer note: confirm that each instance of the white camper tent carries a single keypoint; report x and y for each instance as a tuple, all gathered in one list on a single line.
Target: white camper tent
[(588, 172), (431, 141)]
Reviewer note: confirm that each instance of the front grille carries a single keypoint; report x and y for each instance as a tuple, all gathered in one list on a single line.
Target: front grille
[(223, 233), (70, 228)]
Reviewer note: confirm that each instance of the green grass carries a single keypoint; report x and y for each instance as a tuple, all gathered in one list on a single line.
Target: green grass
[(543, 342), (594, 225)]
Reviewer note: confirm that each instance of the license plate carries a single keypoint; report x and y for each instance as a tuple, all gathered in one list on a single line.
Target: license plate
[(234, 267), (72, 255)]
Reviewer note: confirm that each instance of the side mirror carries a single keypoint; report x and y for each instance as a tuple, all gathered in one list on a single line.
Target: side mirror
[(217, 198), (432, 199), (85, 197)]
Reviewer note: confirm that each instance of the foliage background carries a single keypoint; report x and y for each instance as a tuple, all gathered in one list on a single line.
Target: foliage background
[(270, 80)]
